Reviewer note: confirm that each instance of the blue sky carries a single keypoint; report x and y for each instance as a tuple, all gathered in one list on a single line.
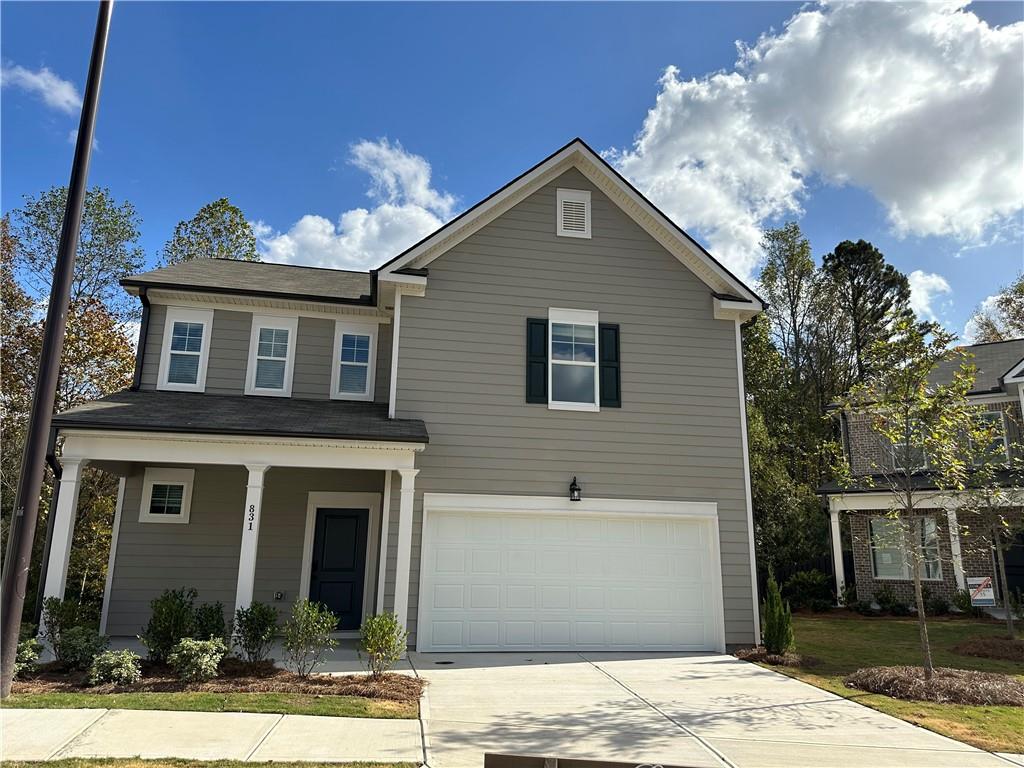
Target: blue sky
[(284, 109)]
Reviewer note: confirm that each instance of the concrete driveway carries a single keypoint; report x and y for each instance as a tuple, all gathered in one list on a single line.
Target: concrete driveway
[(667, 709)]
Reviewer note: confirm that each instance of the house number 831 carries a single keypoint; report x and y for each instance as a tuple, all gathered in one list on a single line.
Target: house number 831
[(252, 515)]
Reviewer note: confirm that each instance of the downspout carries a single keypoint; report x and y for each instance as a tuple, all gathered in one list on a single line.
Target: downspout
[(140, 351), (55, 467)]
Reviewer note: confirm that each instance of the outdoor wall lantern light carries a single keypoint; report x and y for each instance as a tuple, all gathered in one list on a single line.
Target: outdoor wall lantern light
[(574, 490)]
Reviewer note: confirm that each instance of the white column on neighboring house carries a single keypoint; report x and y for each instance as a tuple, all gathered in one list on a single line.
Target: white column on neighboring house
[(396, 326), (954, 549), (250, 535), (837, 553), (63, 527), (404, 544), (385, 523)]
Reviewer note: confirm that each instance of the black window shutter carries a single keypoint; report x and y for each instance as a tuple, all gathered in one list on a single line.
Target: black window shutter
[(611, 395), (536, 360)]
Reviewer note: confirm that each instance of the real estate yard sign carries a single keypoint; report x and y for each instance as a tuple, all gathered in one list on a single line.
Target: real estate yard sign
[(982, 594)]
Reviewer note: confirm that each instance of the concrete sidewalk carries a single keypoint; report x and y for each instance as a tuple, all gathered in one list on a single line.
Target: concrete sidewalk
[(49, 734)]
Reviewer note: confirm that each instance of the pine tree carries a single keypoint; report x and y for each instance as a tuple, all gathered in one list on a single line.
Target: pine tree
[(778, 620)]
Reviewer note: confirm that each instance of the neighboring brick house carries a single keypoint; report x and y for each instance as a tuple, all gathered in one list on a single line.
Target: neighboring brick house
[(955, 546)]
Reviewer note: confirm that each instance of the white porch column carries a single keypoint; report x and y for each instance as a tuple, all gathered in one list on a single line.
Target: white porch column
[(404, 544), (250, 535), (954, 549), (837, 553), (63, 527)]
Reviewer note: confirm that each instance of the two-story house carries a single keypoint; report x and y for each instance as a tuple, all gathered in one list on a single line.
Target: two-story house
[(526, 431), (956, 546)]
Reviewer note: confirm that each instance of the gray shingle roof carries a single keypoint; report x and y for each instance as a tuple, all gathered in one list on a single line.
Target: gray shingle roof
[(259, 278), (150, 410), (992, 361)]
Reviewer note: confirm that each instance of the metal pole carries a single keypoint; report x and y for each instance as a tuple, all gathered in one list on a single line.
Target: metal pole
[(26, 506)]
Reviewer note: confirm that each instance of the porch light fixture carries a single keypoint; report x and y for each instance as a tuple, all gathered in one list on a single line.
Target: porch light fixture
[(574, 490)]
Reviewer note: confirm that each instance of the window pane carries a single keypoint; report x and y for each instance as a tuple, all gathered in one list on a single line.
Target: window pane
[(572, 383), (583, 334), (187, 337), (166, 499), (270, 374), (561, 332), (355, 348), (584, 353), (887, 548), (353, 379), (561, 350), (273, 342), (183, 369)]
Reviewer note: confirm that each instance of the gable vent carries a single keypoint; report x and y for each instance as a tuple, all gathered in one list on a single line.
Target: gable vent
[(573, 212)]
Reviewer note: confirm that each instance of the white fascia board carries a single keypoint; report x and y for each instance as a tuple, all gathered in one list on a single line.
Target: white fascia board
[(1015, 375), (500, 503), (886, 500), (258, 304), (735, 310)]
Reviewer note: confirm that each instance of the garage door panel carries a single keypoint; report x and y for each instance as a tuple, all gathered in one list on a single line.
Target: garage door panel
[(558, 582)]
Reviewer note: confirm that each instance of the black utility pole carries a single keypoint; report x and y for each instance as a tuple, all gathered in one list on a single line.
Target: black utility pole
[(26, 506)]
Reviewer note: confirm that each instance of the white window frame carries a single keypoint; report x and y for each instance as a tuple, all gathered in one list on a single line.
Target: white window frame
[(278, 322), (185, 315), (341, 327), (1006, 443), (575, 317), (167, 476), (573, 195), (907, 575)]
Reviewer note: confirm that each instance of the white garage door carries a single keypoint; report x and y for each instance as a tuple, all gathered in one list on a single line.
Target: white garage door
[(531, 580)]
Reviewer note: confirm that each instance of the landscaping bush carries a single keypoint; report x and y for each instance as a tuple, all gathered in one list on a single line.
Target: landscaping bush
[(172, 618), (254, 631), (778, 621), (948, 686), (934, 605), (197, 660), (58, 616), (117, 667), (889, 603), (26, 657), (210, 623), (808, 589), (307, 636), (79, 646), (864, 608), (849, 595), (382, 638), (962, 602)]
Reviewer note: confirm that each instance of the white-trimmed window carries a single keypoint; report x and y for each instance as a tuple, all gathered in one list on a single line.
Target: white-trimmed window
[(166, 495), (271, 355), (572, 360), (997, 450), (573, 212), (889, 559), (355, 354), (185, 350)]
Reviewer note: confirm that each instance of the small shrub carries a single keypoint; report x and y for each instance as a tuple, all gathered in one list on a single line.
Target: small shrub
[(808, 589), (58, 616), (172, 618), (307, 636), (934, 605), (778, 621), (117, 667), (889, 603), (210, 623), (849, 595), (197, 660), (254, 631), (962, 602), (26, 657), (864, 608), (382, 638), (79, 646)]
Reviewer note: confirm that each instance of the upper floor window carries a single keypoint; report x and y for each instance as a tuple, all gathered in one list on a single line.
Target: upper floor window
[(907, 456), (186, 349), (573, 212), (355, 352), (997, 450), (572, 378), (271, 355), (166, 495)]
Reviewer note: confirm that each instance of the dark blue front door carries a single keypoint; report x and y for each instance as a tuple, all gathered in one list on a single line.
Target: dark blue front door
[(339, 563)]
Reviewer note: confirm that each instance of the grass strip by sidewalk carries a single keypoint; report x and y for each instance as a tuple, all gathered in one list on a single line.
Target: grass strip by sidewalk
[(80, 762), (202, 701)]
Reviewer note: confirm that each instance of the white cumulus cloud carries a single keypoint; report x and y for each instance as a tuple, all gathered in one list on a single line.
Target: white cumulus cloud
[(406, 207), (987, 307), (926, 289), (55, 91), (921, 104)]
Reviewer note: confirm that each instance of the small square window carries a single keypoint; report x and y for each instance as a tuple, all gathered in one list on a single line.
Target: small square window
[(166, 498), (166, 495)]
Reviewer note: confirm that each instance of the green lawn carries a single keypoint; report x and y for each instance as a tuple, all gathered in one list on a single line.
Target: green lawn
[(173, 763), (280, 703), (844, 642)]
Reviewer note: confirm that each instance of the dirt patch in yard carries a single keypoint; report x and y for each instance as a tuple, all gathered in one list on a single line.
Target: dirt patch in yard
[(947, 686), (236, 677), (1006, 648), (760, 655)]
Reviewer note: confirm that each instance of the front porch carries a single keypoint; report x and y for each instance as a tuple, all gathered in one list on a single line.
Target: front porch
[(244, 518)]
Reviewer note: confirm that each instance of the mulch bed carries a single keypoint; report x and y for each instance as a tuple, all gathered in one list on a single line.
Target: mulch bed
[(1005, 648), (236, 677), (947, 686), (788, 659)]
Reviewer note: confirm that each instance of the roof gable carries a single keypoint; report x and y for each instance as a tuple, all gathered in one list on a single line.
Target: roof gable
[(729, 290)]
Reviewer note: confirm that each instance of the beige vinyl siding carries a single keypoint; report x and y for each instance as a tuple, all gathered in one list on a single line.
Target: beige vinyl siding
[(462, 369), (312, 378), (203, 553)]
